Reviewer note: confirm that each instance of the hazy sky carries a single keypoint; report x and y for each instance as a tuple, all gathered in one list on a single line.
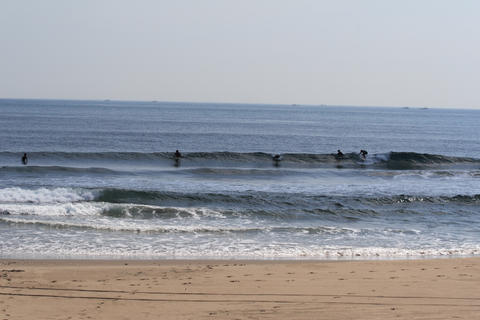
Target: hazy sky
[(342, 52)]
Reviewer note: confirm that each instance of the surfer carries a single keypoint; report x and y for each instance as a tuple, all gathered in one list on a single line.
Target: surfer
[(24, 159), (276, 159), (177, 155), (363, 153), (339, 154)]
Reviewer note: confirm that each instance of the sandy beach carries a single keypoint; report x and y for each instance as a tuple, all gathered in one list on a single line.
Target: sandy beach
[(226, 289)]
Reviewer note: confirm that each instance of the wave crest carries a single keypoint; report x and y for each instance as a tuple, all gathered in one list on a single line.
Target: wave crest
[(101, 160)]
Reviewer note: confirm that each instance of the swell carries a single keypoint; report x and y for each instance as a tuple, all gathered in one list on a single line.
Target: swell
[(268, 199), (235, 200), (57, 169), (194, 198), (412, 160), (391, 160)]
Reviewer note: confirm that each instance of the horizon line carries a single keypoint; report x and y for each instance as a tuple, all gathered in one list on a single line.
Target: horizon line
[(245, 103)]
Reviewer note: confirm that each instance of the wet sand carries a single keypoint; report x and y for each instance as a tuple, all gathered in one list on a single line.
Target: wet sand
[(226, 289)]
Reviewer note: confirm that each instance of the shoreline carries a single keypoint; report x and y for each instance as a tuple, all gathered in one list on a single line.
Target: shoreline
[(230, 259), (442, 288), (243, 259)]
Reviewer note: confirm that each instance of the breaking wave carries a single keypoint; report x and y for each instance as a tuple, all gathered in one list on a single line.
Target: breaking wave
[(148, 204)]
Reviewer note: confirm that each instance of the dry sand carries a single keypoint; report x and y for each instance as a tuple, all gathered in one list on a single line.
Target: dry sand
[(408, 289)]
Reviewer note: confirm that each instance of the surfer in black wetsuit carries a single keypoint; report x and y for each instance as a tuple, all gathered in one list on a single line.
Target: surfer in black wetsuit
[(363, 153), (339, 155), (24, 159), (276, 159), (177, 155)]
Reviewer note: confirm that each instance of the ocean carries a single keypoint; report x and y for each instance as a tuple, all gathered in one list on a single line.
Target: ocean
[(102, 181)]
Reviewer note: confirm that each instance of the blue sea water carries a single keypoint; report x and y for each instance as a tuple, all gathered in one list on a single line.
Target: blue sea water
[(102, 181)]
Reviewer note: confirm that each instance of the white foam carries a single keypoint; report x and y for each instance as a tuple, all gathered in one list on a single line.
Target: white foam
[(216, 251), (61, 209), (44, 195), (106, 224), (98, 208), (382, 157)]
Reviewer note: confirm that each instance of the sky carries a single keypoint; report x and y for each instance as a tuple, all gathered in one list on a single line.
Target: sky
[(422, 53)]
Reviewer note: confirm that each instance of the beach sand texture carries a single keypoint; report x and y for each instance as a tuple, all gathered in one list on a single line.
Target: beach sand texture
[(226, 289)]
